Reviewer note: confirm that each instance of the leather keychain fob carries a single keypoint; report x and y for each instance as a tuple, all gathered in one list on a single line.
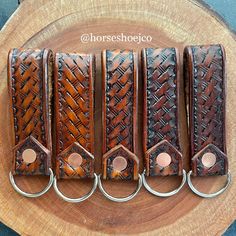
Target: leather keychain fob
[(74, 113), (161, 78), (119, 91), (205, 76), (30, 80)]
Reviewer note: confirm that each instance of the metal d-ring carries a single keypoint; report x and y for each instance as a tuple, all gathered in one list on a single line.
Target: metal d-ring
[(208, 195), (159, 194), (32, 195), (76, 200), (120, 199)]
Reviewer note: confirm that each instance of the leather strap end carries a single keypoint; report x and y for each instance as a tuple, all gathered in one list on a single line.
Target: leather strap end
[(41, 164), (120, 163), (163, 159), (74, 162), (216, 162), (29, 84)]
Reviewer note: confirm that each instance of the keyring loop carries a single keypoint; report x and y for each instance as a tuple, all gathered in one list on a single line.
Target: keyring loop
[(120, 199), (32, 195), (76, 200), (208, 195), (159, 194)]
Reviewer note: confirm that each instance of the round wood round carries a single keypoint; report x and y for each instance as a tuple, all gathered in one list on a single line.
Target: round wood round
[(59, 25)]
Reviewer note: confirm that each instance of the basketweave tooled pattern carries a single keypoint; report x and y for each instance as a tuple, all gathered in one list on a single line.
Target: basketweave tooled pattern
[(208, 97), (119, 99), (161, 96), (27, 79), (27, 92), (161, 91), (75, 112), (205, 68), (74, 109)]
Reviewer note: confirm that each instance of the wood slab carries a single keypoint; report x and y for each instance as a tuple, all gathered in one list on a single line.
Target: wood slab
[(59, 24)]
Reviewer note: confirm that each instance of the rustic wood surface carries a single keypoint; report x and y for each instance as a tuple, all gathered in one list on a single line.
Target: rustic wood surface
[(59, 25)]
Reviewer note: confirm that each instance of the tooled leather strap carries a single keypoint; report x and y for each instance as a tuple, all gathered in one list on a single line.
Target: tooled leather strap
[(161, 110), (205, 73), (29, 80), (119, 114), (74, 112)]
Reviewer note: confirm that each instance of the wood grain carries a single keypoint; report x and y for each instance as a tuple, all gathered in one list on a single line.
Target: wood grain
[(59, 25)]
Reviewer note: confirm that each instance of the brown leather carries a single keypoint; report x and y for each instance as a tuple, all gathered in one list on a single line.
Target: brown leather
[(29, 80), (74, 114), (205, 76), (161, 110), (119, 113)]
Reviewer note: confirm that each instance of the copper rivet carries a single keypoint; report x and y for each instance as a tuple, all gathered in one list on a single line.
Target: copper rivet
[(29, 155), (119, 163), (75, 160), (163, 159), (209, 159)]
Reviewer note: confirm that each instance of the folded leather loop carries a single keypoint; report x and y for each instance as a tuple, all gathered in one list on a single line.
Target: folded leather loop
[(161, 146), (205, 76), (119, 118), (29, 83), (74, 118)]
